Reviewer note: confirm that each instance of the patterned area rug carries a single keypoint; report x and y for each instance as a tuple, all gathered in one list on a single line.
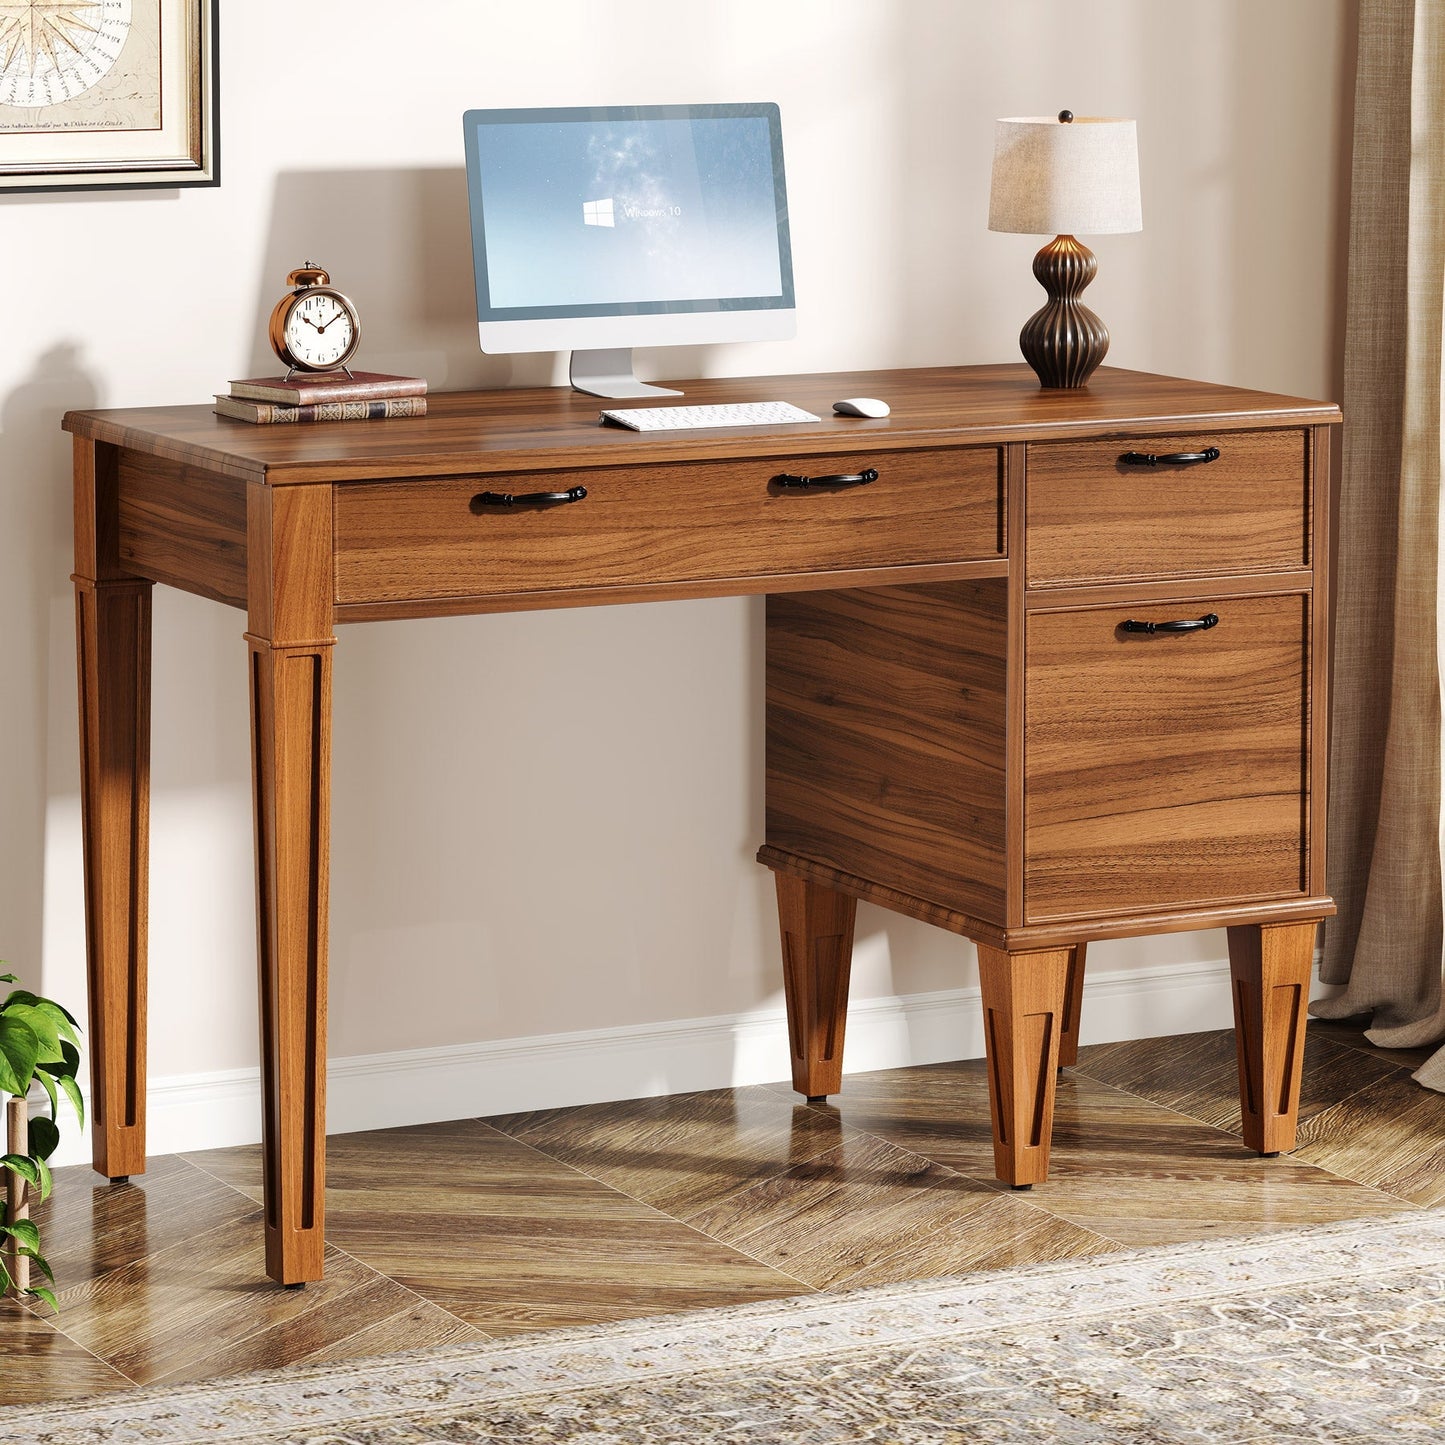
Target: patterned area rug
[(1329, 1334)]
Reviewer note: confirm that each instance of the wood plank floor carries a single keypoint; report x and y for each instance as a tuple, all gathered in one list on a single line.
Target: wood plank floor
[(490, 1227)]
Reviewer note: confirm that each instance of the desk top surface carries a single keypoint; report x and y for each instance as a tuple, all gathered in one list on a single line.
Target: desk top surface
[(547, 428)]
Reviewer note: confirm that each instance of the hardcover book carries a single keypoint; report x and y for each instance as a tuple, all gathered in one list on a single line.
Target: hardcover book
[(333, 386), (268, 412)]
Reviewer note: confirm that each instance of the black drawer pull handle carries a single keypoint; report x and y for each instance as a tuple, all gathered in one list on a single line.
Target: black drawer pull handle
[(527, 499), (853, 479), (1172, 459), (1184, 624)]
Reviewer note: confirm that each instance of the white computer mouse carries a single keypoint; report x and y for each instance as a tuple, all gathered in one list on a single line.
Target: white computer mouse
[(861, 406)]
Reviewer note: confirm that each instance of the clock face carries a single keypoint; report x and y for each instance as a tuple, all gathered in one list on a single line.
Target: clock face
[(320, 332)]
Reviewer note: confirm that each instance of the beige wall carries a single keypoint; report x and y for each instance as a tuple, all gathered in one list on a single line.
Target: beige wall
[(546, 822)]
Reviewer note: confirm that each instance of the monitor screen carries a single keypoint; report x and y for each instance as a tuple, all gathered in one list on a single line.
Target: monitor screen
[(622, 226)]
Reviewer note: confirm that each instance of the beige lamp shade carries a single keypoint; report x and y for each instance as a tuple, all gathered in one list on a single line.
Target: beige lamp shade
[(1056, 178)]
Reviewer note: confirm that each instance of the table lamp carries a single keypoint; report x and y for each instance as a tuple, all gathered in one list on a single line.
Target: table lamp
[(1061, 178)]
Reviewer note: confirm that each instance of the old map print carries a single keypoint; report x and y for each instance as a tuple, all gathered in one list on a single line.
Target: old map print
[(79, 65)]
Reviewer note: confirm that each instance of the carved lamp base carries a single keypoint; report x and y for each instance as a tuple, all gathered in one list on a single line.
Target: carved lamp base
[(1064, 341)]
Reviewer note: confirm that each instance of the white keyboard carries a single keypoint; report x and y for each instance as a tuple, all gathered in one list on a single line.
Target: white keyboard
[(673, 418)]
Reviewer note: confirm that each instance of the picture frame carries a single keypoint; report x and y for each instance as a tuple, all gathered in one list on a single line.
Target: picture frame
[(109, 94)]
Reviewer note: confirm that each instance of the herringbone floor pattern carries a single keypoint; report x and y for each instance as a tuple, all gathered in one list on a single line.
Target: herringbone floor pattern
[(486, 1227)]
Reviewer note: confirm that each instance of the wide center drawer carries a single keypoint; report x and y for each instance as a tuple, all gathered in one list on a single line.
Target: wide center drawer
[(680, 522), (1104, 511)]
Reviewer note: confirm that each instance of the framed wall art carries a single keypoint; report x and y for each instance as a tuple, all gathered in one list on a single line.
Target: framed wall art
[(107, 93)]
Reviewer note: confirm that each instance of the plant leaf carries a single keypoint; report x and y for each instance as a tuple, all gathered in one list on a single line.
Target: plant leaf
[(5, 1280), (72, 1092), (45, 1269), (47, 1082), (40, 1292), (19, 995), (44, 1136), (64, 1023), (43, 1025), (45, 1179), (60, 1012), (25, 1231), (19, 1052), (26, 1167), (7, 977), (69, 1061)]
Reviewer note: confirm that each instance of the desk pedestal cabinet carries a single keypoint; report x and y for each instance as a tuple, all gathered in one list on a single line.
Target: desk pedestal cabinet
[(1056, 673)]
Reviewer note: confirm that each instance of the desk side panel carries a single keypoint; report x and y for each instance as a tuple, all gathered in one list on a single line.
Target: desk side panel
[(886, 737), (183, 526)]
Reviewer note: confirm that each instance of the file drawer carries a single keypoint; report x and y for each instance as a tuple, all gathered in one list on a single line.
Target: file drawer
[(448, 537), (1094, 517), (1166, 770)]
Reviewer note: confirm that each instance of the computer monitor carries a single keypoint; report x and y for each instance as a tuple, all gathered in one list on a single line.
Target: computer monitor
[(597, 230)]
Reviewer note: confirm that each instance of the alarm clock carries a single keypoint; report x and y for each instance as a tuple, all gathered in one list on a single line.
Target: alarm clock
[(314, 327)]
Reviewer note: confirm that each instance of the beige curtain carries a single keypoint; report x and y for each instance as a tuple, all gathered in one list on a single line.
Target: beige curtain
[(1385, 775)]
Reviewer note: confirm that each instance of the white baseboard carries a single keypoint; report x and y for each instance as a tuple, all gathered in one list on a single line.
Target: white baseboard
[(421, 1086)]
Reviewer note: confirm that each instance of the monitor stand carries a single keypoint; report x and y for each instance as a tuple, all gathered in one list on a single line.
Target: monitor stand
[(608, 372)]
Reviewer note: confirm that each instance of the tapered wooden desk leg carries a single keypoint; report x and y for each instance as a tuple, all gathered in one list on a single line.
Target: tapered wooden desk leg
[(113, 648), (291, 725), (1023, 1010), (1073, 1009), (817, 929), (289, 604), (1270, 966)]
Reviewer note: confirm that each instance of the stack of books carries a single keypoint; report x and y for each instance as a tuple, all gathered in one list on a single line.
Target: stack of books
[(328, 396)]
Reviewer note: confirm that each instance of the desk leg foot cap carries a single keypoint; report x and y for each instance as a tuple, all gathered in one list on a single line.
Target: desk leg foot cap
[(1019, 1188), (300, 1284), (120, 1178), (1270, 1154), (817, 1098)]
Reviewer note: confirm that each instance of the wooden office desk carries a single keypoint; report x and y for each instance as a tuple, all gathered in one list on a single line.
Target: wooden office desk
[(970, 719)]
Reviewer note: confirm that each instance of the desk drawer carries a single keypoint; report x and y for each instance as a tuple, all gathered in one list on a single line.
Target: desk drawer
[(1165, 770), (685, 522), (1094, 518)]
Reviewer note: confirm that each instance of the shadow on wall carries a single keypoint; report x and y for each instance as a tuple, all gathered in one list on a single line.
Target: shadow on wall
[(500, 783), (36, 503), (398, 243), (35, 453)]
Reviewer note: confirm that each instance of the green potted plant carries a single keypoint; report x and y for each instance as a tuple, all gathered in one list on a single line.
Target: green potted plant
[(38, 1041)]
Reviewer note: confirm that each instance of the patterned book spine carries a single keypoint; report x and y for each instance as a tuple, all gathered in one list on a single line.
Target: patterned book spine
[(269, 413)]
